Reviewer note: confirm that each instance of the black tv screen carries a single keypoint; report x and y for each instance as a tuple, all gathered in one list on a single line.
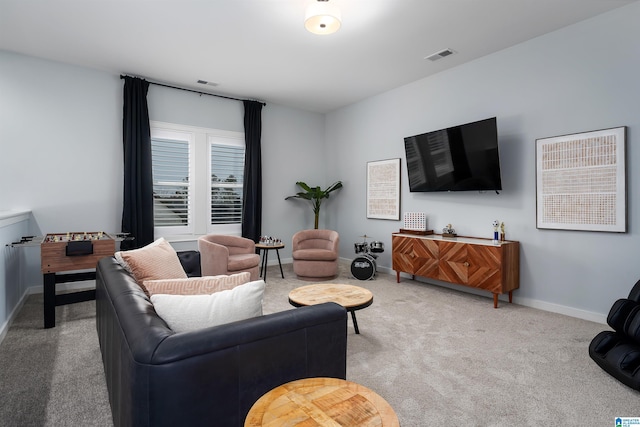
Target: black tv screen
[(459, 158)]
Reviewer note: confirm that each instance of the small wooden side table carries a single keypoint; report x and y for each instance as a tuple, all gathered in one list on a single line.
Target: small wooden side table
[(265, 257), (321, 402), (349, 296)]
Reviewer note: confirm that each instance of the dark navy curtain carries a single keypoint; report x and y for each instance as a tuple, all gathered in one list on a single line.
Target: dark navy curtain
[(252, 188), (137, 210)]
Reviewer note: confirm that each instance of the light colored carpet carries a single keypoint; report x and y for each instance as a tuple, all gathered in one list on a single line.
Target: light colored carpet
[(440, 357), (53, 377)]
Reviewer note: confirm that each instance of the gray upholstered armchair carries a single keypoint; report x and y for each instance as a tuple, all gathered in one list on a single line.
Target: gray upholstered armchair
[(315, 254), (222, 254)]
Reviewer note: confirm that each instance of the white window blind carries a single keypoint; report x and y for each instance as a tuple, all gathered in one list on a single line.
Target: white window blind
[(171, 182), (227, 177)]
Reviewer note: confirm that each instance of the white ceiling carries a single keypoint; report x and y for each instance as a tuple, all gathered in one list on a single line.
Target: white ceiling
[(259, 49)]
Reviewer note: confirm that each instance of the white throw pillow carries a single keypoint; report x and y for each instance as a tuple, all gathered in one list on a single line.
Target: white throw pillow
[(190, 312)]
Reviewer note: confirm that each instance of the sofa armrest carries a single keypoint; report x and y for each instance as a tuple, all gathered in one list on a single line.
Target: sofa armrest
[(190, 261), (244, 245), (620, 313), (335, 243), (634, 294), (296, 239), (213, 258)]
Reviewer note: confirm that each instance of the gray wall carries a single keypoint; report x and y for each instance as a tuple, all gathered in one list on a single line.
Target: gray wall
[(581, 78), (61, 148)]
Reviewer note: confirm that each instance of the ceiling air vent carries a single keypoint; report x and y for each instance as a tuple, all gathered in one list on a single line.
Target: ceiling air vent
[(439, 55), (204, 82)]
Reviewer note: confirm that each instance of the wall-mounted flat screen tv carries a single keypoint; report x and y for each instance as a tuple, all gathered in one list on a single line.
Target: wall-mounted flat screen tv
[(459, 158)]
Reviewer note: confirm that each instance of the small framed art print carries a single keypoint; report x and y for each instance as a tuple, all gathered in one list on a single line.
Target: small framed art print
[(383, 189)]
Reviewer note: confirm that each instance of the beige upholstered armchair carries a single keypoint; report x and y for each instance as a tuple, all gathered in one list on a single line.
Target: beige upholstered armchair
[(221, 254), (315, 254)]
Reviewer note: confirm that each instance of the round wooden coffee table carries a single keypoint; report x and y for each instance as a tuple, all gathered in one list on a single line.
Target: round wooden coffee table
[(321, 402), (350, 297)]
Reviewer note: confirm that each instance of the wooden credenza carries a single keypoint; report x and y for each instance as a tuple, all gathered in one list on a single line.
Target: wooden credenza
[(473, 262)]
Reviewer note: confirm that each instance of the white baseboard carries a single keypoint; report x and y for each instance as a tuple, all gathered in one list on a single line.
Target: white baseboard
[(527, 302), (5, 326), (562, 309)]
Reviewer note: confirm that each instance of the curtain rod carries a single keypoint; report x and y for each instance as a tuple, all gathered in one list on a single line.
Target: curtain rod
[(194, 91)]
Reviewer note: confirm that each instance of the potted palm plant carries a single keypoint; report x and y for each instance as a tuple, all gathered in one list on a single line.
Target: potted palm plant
[(315, 196)]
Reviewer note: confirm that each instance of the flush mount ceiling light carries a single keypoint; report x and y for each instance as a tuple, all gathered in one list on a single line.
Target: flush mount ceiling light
[(322, 18)]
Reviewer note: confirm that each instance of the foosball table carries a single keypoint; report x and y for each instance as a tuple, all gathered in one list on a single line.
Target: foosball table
[(69, 257)]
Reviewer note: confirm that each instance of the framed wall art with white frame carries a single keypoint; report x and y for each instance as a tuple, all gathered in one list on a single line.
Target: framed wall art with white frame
[(581, 181), (383, 189)]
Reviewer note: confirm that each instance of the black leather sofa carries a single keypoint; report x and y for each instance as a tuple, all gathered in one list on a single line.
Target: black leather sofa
[(156, 377), (618, 351)]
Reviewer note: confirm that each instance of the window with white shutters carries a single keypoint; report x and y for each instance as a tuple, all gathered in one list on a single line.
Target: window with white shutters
[(197, 180)]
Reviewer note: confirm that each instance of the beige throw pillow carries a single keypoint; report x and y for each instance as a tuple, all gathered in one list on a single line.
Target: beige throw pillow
[(195, 285), (157, 260), (190, 312)]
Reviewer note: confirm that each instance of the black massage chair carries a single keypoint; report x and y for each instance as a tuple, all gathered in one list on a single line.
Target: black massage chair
[(618, 351)]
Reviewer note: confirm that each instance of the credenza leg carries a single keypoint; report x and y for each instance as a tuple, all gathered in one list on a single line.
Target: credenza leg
[(398, 276), (510, 296), (495, 300)]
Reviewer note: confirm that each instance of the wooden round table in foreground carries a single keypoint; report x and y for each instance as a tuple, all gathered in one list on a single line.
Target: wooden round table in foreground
[(321, 402), (349, 296)]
